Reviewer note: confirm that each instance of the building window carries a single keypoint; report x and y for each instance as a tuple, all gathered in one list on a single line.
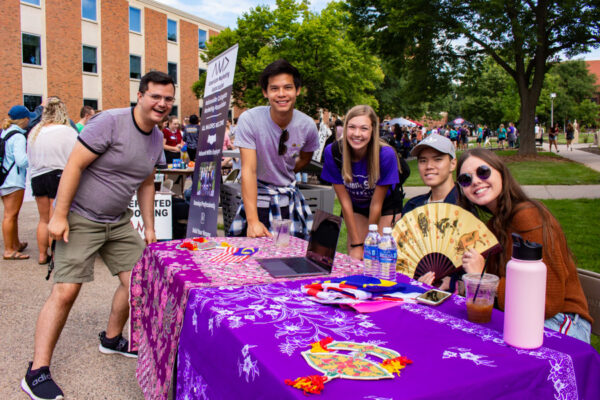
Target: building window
[(89, 59), (172, 71), (135, 20), (91, 102), (201, 71), (201, 39), (135, 67), (174, 111), (171, 30), (31, 49), (34, 2), (88, 9), (31, 101)]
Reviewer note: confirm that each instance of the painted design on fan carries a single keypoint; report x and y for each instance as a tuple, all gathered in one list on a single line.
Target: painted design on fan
[(468, 240), (444, 224), (423, 223), (466, 354)]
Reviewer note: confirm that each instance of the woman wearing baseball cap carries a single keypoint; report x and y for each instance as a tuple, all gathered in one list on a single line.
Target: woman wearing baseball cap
[(14, 161)]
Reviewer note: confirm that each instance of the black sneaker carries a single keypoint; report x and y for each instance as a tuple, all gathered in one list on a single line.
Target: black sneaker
[(116, 345), (40, 386)]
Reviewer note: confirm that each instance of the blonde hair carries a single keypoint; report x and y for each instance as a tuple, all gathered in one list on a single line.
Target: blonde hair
[(373, 148), (55, 112), (8, 122)]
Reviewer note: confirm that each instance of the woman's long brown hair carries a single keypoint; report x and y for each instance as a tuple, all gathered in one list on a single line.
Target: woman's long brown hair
[(512, 199)]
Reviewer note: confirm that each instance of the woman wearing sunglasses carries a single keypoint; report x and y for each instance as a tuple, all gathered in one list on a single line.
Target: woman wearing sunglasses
[(489, 190), (362, 170)]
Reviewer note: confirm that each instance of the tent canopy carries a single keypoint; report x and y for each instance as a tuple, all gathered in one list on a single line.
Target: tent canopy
[(402, 122)]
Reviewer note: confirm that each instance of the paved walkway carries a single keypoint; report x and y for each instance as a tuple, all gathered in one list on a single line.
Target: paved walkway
[(82, 371)]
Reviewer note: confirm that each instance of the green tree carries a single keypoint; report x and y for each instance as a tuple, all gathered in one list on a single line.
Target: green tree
[(337, 73), (574, 86), (523, 37)]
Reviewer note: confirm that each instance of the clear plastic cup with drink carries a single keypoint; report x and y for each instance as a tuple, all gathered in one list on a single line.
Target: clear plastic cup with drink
[(480, 295)]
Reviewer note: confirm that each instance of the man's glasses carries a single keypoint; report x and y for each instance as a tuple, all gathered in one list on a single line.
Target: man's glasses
[(483, 172), (157, 98), (282, 139)]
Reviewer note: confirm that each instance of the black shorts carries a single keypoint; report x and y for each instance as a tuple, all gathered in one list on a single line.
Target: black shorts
[(46, 185), (388, 208)]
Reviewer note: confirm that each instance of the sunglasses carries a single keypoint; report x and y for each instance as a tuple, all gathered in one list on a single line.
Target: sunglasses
[(483, 172), (282, 139)]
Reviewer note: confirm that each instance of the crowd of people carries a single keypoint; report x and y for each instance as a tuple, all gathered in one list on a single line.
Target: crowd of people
[(83, 180)]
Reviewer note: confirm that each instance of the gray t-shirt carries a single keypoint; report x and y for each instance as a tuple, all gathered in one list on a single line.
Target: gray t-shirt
[(127, 156), (256, 130)]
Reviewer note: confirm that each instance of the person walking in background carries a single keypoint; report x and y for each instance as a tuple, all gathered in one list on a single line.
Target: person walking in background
[(173, 141), (339, 129), (511, 135), (12, 189), (190, 136), (48, 148), (363, 171), (479, 133), (501, 136), (553, 137), (85, 114), (570, 133)]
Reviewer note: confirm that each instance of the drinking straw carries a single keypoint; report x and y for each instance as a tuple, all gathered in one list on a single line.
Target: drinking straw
[(480, 279)]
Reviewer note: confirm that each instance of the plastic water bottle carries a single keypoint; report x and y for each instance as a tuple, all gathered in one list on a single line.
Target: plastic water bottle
[(388, 254), (371, 255), (525, 293)]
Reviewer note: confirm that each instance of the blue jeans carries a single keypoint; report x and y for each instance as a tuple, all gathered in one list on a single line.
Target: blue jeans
[(571, 325)]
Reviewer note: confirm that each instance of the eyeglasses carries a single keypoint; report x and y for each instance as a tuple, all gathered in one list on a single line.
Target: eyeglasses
[(157, 98), (483, 172), (282, 139)]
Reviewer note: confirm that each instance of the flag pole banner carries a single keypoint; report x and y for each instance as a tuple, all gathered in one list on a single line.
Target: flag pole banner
[(206, 182)]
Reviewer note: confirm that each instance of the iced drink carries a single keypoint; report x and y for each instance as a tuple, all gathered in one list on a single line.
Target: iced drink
[(281, 229), (479, 308)]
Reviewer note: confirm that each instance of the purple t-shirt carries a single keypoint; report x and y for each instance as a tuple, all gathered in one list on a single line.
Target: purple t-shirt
[(256, 130), (358, 189), (127, 156)]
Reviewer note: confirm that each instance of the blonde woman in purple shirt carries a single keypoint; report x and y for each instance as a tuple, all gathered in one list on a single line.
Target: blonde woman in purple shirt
[(364, 177)]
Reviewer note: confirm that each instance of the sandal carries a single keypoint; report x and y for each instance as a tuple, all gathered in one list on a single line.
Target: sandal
[(48, 259), (17, 256), (22, 246)]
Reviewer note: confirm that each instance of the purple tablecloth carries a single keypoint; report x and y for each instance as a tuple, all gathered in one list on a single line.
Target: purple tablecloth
[(243, 342), (160, 283)]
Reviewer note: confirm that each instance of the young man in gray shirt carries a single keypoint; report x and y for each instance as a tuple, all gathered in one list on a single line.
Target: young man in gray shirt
[(275, 142), (115, 156)]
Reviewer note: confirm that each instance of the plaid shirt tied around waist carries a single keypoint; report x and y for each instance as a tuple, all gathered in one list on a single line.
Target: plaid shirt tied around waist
[(300, 213)]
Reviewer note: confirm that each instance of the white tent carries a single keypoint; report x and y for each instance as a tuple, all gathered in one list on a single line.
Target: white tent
[(401, 121)]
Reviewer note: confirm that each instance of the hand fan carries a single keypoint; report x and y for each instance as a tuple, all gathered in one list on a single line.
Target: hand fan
[(434, 237)]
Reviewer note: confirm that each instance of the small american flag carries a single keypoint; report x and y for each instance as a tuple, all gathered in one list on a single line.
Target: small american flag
[(234, 255)]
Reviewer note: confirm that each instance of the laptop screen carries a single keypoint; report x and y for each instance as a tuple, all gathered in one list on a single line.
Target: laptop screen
[(323, 239)]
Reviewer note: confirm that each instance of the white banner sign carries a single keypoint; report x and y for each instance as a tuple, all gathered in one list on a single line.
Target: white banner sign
[(162, 216), (220, 72)]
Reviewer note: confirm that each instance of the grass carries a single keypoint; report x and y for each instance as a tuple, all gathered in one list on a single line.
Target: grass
[(545, 171)]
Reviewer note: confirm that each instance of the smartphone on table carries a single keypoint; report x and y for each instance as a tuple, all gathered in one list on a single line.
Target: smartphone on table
[(433, 297)]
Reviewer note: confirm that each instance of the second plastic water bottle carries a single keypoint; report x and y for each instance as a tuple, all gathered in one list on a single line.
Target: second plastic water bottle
[(371, 256), (388, 254)]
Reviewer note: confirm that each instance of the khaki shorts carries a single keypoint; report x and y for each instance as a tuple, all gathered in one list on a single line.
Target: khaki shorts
[(119, 245)]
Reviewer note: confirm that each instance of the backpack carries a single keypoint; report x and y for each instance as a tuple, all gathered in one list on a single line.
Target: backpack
[(398, 192), (4, 171)]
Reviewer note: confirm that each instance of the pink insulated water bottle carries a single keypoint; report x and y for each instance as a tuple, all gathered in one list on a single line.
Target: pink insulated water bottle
[(525, 295)]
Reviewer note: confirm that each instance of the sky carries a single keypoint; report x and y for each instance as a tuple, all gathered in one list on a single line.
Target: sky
[(226, 12)]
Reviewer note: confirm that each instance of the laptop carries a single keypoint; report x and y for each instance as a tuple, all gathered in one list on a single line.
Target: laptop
[(319, 253)]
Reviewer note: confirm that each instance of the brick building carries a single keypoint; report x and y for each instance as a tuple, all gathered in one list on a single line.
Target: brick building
[(94, 52), (593, 67)]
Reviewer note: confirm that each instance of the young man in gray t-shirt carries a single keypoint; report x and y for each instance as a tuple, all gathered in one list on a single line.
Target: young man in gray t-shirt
[(275, 142), (115, 157)]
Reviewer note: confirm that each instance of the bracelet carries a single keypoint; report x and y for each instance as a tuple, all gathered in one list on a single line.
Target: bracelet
[(357, 245)]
